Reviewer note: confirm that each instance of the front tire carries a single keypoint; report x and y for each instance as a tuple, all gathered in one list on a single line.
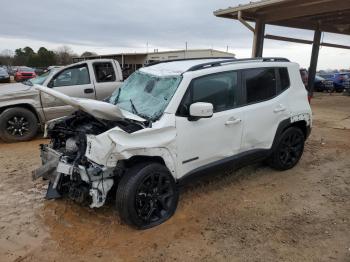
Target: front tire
[(147, 195), (18, 124), (289, 150)]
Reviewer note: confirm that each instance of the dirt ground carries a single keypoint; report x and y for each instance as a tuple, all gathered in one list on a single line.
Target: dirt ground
[(253, 214)]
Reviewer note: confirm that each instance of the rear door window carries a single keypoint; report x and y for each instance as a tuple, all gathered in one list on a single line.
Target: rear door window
[(104, 72)]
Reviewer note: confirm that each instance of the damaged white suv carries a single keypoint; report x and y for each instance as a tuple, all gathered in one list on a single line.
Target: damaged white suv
[(170, 122)]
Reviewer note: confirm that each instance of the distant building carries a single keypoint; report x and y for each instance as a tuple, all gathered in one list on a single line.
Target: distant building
[(133, 61)]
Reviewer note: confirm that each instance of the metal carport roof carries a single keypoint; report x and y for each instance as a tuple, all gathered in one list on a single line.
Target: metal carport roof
[(332, 16)]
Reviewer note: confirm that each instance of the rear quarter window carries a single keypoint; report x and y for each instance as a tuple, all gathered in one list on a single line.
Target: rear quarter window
[(260, 84)]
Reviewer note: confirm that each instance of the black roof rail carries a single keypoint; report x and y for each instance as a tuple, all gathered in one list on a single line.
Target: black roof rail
[(275, 59), (219, 63), (188, 59)]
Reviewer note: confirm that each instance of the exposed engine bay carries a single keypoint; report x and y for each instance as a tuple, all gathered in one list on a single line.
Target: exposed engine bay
[(64, 163)]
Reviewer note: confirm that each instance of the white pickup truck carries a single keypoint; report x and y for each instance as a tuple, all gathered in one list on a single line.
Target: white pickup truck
[(23, 109)]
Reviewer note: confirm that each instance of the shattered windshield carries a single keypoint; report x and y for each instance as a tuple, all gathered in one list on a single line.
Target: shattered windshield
[(146, 95), (39, 80)]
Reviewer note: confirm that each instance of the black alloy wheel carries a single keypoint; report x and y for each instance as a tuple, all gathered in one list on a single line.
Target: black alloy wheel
[(289, 149), (147, 195), (18, 124), (154, 197)]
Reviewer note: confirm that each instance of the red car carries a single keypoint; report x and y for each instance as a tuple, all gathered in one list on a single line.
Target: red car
[(24, 73)]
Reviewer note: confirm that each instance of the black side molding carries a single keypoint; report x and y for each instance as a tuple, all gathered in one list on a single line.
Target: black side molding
[(190, 160), (236, 161)]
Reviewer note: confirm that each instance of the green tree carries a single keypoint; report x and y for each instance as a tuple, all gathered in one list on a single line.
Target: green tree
[(28, 51), (20, 57), (46, 57), (27, 56), (24, 56)]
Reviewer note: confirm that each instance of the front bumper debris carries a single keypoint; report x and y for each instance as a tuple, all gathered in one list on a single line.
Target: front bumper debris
[(49, 160), (79, 181)]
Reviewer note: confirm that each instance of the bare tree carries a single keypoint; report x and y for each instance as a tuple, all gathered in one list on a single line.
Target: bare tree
[(88, 53), (64, 55), (6, 57)]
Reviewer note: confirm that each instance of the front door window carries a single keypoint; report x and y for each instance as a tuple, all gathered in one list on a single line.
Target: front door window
[(78, 75)]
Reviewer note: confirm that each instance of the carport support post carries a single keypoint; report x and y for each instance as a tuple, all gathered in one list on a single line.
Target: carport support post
[(314, 60), (258, 44)]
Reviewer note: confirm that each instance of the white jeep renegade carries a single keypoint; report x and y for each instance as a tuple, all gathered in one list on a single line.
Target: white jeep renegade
[(170, 122)]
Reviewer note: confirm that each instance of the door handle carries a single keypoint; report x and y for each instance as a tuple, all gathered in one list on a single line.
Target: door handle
[(88, 90), (232, 121), (280, 108)]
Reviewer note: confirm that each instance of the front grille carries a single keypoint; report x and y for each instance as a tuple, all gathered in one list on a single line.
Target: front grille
[(27, 74)]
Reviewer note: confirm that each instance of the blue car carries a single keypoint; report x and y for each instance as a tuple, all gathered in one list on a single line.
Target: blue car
[(4, 76), (320, 84), (338, 80)]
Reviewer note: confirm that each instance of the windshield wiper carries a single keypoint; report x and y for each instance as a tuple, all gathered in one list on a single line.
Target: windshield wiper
[(117, 98), (134, 110)]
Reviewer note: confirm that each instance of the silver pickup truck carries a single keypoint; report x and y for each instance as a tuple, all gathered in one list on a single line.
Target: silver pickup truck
[(23, 109)]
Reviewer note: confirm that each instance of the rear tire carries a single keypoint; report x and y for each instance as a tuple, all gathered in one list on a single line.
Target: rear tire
[(289, 150), (147, 195), (18, 124)]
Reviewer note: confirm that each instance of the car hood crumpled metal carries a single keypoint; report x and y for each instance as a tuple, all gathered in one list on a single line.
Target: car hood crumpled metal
[(14, 88), (98, 109)]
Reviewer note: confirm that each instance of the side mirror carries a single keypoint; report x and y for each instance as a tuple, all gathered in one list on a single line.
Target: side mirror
[(200, 110)]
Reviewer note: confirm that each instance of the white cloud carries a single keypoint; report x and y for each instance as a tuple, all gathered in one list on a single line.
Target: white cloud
[(110, 26)]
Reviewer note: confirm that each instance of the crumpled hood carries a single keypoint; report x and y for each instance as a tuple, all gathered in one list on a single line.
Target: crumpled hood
[(98, 109), (14, 88)]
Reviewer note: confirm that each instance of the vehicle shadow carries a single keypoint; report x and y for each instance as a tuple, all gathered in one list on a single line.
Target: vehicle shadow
[(38, 138)]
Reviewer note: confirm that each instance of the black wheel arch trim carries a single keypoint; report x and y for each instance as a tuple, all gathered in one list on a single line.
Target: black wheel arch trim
[(25, 106), (286, 124)]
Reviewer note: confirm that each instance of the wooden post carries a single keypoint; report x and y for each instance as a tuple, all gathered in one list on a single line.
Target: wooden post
[(258, 44), (314, 60)]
